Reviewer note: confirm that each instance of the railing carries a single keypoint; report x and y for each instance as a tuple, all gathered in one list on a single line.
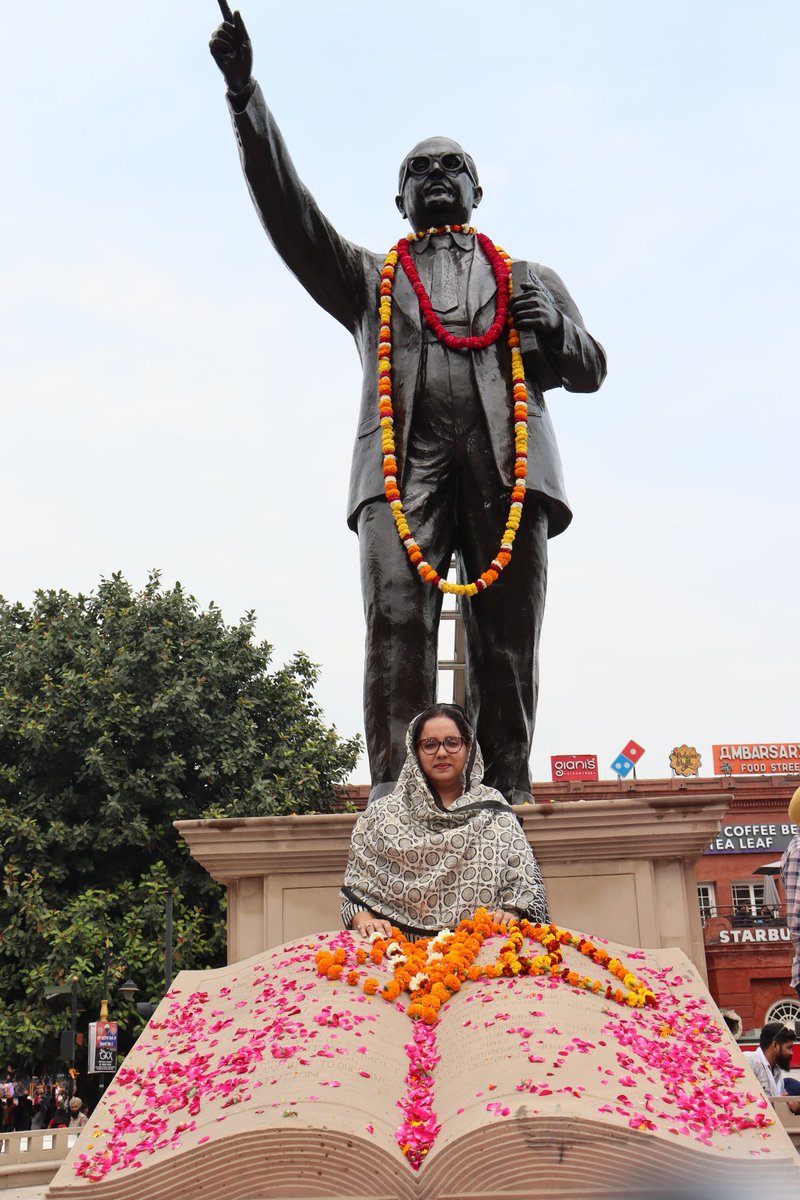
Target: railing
[(32, 1157), (789, 1120), (745, 916)]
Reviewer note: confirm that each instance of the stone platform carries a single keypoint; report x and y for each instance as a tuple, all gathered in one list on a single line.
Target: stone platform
[(628, 862)]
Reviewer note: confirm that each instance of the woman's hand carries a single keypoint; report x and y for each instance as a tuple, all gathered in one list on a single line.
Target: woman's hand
[(501, 917), (364, 923)]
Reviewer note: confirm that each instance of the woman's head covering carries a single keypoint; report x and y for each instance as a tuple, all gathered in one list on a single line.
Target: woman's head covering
[(426, 867), (414, 783)]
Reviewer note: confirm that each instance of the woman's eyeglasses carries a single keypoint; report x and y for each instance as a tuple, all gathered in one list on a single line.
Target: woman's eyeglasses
[(431, 745)]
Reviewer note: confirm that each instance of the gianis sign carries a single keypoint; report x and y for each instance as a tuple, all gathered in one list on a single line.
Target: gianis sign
[(573, 766)]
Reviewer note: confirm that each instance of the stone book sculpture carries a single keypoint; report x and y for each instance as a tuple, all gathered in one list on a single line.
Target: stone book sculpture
[(299, 1074)]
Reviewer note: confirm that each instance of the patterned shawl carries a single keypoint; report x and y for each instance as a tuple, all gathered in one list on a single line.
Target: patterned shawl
[(425, 867)]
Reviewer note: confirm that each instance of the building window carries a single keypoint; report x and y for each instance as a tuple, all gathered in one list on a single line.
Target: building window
[(747, 895), (707, 897), (786, 1010)]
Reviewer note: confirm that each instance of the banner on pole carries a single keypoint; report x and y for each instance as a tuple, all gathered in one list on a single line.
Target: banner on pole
[(102, 1047)]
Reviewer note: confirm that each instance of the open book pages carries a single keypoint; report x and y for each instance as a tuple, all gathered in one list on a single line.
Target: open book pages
[(266, 1079)]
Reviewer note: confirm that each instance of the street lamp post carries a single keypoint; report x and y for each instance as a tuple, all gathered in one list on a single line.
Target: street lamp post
[(128, 989), (144, 1008), (73, 1034)]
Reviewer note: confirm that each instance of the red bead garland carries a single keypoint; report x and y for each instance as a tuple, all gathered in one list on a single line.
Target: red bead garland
[(501, 274)]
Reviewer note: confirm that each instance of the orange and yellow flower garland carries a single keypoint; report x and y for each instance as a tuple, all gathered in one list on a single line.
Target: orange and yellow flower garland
[(501, 264), (433, 969)]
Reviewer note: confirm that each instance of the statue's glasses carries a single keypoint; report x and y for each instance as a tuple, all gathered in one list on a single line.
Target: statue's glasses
[(420, 165), (431, 745)]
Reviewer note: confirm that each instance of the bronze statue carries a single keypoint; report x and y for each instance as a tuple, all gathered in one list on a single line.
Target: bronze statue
[(453, 422)]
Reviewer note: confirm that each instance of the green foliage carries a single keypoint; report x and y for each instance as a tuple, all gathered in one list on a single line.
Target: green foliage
[(46, 942), (121, 712)]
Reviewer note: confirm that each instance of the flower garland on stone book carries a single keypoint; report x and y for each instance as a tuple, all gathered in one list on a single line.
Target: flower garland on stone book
[(433, 969), (501, 265)]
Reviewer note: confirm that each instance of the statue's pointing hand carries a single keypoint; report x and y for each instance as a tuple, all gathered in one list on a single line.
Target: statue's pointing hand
[(533, 307), (231, 50)]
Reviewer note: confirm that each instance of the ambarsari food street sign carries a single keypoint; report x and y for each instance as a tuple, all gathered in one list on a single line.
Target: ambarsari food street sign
[(757, 758)]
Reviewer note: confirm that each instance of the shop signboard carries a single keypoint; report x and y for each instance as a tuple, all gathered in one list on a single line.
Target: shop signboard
[(627, 759), (573, 766), (757, 758), (753, 839), (755, 933)]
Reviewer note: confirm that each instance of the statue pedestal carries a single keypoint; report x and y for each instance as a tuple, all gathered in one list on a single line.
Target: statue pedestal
[(621, 868)]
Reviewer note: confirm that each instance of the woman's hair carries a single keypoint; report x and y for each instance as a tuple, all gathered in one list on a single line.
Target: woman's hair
[(456, 714)]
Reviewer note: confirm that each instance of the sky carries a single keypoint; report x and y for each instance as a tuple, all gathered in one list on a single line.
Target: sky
[(171, 397)]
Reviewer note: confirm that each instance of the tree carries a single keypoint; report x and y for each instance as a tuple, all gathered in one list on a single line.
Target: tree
[(121, 712)]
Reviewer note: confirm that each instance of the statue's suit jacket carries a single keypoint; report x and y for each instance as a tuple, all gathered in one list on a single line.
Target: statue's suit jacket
[(344, 279)]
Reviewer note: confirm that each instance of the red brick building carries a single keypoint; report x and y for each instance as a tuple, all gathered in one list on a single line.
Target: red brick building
[(748, 952)]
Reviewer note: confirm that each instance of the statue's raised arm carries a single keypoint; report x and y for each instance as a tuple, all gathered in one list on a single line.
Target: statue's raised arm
[(329, 267)]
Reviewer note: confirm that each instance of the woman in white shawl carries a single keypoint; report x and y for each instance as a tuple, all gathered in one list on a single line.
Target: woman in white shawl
[(441, 844)]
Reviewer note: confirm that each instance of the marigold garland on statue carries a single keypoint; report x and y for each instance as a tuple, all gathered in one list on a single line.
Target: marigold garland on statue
[(501, 264), (433, 969)]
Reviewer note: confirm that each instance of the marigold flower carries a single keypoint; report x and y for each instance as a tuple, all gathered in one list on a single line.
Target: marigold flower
[(433, 969), (501, 266)]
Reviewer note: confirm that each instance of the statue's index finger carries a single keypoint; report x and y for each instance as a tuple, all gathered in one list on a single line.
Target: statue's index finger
[(225, 9)]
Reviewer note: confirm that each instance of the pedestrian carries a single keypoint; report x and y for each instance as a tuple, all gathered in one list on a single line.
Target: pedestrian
[(77, 1118), (790, 877), (60, 1118), (23, 1113), (771, 1059)]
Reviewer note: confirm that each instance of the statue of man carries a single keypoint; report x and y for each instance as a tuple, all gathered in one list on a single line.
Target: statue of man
[(453, 411)]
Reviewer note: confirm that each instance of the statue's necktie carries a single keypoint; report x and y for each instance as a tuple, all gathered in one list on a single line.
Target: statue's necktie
[(444, 288)]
